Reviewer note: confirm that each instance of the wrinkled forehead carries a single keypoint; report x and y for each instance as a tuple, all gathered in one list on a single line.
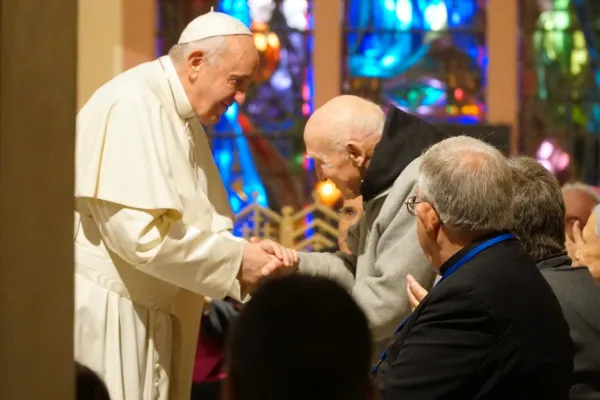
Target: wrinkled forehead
[(577, 197), (318, 139), (240, 56)]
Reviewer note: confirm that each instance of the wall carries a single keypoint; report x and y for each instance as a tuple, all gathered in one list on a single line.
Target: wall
[(113, 35), (37, 132), (502, 96)]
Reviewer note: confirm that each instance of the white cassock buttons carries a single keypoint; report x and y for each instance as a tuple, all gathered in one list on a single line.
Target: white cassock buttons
[(157, 374), (156, 390)]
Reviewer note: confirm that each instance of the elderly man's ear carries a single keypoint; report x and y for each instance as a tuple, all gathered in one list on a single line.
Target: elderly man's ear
[(428, 218), (356, 153)]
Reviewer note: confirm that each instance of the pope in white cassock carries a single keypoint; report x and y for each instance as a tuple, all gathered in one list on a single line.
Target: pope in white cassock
[(152, 216)]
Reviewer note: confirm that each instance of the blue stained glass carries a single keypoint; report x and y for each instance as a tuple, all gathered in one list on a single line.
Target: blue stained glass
[(253, 143), (387, 39), (277, 102), (236, 8), (224, 149)]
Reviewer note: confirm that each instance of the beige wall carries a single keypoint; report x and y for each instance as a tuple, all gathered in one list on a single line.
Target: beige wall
[(327, 54), (37, 136), (113, 35), (502, 95)]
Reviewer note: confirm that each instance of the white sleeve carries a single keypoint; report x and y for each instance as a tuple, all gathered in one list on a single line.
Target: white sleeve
[(161, 245)]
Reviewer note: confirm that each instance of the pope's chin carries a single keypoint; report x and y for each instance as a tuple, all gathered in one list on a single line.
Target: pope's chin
[(211, 119), (214, 115)]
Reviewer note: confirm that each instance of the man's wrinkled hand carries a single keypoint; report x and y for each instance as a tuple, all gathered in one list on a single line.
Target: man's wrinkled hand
[(574, 244), (288, 258), (256, 263), (589, 255), (416, 292)]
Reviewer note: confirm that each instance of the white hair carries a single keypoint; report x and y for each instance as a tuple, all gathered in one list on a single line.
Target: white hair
[(469, 184), (211, 46), (582, 187)]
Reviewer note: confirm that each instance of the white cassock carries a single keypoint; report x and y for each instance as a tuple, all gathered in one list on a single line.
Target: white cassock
[(152, 234)]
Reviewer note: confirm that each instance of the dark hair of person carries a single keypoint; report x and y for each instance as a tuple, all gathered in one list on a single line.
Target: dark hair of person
[(300, 338), (89, 385), (538, 209)]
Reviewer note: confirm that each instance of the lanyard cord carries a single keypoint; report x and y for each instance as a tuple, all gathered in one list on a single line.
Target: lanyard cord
[(464, 259)]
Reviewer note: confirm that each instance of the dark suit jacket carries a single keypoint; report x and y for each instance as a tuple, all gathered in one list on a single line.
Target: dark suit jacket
[(579, 297), (491, 330)]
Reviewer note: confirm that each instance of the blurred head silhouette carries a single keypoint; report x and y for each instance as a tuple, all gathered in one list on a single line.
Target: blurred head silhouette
[(300, 338)]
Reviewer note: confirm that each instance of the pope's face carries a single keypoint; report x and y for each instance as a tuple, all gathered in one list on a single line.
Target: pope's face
[(223, 79)]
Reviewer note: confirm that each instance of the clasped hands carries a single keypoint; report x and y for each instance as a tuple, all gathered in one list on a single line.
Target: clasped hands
[(265, 258)]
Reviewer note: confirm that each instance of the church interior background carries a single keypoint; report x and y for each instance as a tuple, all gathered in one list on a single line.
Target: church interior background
[(429, 57), (523, 73)]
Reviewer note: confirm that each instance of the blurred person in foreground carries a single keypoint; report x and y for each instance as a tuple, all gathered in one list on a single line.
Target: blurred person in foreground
[(89, 386), (153, 222), (366, 153), (491, 328), (580, 200), (289, 345)]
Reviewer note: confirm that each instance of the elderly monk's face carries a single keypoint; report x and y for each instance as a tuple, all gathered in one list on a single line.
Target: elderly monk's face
[(339, 163), (578, 207), (220, 79)]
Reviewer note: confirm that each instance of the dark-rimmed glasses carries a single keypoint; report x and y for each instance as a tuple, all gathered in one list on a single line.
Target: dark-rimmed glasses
[(411, 204)]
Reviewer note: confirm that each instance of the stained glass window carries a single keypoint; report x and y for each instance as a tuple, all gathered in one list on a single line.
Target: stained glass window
[(258, 145), (424, 56), (560, 81)]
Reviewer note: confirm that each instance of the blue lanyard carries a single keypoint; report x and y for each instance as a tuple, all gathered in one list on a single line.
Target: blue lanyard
[(467, 257)]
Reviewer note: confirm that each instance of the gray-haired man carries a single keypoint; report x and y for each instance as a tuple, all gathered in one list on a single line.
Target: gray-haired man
[(473, 336)]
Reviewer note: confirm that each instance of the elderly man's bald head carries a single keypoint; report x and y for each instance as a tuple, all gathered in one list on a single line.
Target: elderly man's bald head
[(341, 136), (345, 118)]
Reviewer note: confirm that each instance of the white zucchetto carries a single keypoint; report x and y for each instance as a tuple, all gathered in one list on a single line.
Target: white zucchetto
[(212, 24)]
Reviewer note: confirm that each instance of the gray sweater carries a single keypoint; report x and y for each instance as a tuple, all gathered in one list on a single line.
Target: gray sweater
[(385, 249)]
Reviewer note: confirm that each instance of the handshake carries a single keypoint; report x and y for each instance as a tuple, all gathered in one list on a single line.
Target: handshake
[(265, 258)]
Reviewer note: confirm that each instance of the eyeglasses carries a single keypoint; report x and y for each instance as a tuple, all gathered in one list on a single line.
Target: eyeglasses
[(411, 204), (411, 207)]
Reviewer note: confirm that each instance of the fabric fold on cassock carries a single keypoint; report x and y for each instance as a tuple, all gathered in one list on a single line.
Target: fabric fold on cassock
[(151, 237)]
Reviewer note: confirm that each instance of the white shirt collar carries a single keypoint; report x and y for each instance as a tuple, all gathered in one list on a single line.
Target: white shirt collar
[(182, 103)]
